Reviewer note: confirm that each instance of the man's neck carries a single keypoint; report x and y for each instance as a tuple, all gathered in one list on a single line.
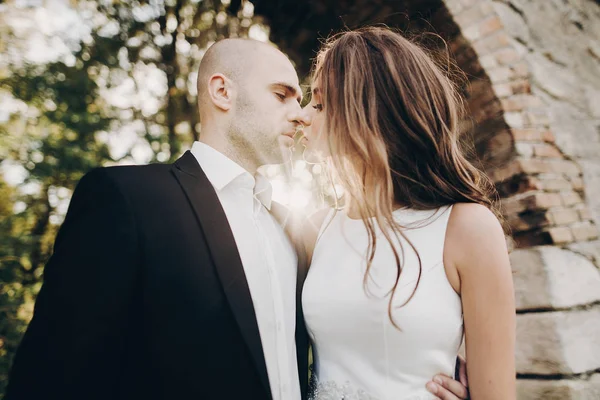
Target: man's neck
[(226, 149)]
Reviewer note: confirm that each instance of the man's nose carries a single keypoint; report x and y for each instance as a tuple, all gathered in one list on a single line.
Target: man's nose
[(302, 117)]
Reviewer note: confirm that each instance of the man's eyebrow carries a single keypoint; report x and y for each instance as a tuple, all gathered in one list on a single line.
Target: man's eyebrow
[(291, 90)]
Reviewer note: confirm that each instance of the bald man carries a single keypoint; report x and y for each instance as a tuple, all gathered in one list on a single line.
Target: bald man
[(178, 281)]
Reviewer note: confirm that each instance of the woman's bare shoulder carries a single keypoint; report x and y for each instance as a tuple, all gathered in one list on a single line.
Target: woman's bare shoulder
[(474, 237)]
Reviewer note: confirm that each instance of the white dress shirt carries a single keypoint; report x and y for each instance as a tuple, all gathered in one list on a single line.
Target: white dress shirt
[(269, 260)]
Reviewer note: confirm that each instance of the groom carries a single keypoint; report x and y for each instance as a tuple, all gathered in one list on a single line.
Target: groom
[(180, 281)]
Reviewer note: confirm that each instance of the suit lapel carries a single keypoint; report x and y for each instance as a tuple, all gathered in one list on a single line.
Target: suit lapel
[(224, 253), (302, 341)]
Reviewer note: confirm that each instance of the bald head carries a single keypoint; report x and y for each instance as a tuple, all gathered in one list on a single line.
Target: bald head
[(234, 58), (249, 101)]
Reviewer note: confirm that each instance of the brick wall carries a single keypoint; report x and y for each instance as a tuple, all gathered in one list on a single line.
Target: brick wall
[(542, 188)]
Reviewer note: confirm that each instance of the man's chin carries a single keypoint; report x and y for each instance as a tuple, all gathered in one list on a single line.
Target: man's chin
[(286, 141), (285, 155), (281, 155)]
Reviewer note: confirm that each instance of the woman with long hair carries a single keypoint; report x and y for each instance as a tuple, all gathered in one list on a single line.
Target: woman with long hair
[(417, 257)]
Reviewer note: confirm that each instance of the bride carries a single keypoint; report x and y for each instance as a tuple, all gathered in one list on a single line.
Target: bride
[(417, 255)]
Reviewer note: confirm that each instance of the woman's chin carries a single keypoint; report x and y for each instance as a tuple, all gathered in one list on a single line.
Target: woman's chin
[(313, 156)]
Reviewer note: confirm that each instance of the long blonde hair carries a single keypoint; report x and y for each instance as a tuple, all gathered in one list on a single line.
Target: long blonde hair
[(391, 119)]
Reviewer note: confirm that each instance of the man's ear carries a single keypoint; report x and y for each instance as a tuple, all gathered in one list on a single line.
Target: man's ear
[(221, 91)]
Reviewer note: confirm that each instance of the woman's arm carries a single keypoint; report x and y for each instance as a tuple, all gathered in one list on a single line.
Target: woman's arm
[(476, 248)]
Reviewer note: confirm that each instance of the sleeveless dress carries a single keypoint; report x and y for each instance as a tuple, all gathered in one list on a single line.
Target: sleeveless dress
[(357, 352)]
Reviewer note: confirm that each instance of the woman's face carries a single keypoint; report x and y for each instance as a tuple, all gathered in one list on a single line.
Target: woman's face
[(317, 147)]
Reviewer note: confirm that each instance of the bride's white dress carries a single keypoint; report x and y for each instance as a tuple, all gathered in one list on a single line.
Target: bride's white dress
[(358, 353)]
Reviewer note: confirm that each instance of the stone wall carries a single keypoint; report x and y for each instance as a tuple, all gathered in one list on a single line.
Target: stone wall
[(542, 187), (560, 41), (539, 57), (558, 349), (558, 324)]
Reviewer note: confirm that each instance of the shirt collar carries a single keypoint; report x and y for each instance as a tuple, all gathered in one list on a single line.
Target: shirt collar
[(263, 190), (222, 171)]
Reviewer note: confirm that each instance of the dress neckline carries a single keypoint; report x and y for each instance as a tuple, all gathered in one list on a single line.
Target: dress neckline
[(404, 211)]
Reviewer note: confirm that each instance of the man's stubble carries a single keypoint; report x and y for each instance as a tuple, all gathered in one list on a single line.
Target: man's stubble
[(250, 138)]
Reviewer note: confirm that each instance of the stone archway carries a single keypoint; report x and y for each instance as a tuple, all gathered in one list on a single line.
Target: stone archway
[(542, 188)]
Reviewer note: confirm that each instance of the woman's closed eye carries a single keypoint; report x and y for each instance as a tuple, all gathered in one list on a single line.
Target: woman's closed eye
[(318, 107)]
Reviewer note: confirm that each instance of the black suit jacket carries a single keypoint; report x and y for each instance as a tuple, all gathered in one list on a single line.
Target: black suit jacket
[(145, 297)]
